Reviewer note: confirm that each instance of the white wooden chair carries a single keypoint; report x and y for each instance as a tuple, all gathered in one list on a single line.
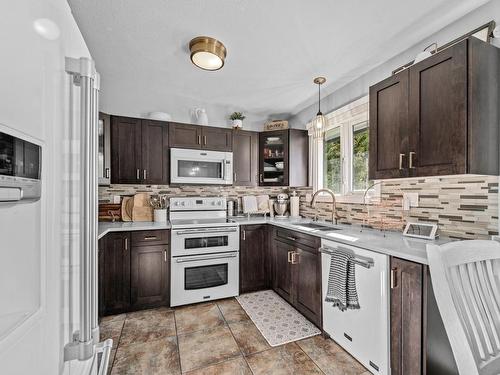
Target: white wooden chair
[(466, 281)]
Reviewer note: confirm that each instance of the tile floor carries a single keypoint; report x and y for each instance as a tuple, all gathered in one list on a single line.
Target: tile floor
[(213, 338)]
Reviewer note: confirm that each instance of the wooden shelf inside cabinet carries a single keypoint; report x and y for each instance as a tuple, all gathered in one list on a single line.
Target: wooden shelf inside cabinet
[(294, 150)]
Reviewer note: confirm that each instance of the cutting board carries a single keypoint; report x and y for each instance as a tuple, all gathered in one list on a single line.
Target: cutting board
[(127, 207), (142, 211)]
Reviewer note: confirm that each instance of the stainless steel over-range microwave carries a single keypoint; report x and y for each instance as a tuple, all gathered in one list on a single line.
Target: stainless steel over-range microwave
[(189, 166)]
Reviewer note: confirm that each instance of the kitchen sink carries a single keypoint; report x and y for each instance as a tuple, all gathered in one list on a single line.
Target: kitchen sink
[(316, 226)]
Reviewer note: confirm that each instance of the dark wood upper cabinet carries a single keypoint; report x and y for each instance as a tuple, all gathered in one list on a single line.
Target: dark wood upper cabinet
[(139, 151), (438, 113), (114, 275), (254, 259), (406, 313), (217, 139), (155, 152), (149, 276), (126, 144), (280, 150), (184, 135), (245, 158), (389, 127), (200, 137), (439, 116)]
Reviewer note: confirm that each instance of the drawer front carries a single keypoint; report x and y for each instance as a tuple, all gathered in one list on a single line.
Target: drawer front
[(312, 243), (150, 237)]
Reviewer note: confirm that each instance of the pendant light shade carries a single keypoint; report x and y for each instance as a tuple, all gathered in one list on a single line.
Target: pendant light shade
[(320, 121), (207, 53)]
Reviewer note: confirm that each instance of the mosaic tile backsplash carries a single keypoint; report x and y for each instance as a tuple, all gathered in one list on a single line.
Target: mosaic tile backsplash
[(464, 207)]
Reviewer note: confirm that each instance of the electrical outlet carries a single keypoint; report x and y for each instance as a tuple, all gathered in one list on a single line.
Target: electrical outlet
[(410, 200)]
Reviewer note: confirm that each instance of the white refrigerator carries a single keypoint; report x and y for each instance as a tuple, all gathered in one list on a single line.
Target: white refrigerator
[(48, 98)]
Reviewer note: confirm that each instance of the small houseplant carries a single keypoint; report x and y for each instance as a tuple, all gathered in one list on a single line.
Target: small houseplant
[(237, 119)]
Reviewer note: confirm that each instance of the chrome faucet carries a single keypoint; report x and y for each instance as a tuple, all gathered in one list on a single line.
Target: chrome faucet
[(335, 217)]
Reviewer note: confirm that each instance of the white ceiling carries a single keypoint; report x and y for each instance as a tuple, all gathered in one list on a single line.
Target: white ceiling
[(275, 48)]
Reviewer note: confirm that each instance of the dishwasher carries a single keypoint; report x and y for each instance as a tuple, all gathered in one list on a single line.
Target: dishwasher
[(364, 332)]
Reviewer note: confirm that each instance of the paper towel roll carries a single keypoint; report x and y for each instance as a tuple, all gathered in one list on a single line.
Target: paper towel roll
[(294, 206)]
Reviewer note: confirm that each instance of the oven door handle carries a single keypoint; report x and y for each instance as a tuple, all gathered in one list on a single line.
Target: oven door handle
[(183, 260), (197, 231)]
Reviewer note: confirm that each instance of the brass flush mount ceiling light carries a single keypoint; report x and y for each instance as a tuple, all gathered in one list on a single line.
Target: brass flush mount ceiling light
[(207, 53)]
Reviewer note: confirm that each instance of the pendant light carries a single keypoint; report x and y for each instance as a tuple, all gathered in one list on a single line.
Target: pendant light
[(319, 122), (207, 53)]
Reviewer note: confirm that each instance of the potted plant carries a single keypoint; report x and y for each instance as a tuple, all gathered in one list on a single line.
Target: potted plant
[(237, 118)]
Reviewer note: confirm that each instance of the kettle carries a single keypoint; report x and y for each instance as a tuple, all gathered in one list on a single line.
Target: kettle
[(201, 116)]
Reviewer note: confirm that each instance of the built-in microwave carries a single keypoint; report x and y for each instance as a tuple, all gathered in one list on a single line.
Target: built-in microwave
[(189, 166), (20, 168)]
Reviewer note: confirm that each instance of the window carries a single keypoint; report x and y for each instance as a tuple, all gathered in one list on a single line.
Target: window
[(340, 162)]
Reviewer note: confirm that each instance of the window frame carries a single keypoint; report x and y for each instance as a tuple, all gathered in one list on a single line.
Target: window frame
[(345, 118)]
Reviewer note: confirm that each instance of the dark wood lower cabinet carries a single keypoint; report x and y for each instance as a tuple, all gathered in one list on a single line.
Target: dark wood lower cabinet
[(149, 276), (296, 273), (282, 270), (308, 284), (133, 274), (114, 273), (407, 345), (254, 259)]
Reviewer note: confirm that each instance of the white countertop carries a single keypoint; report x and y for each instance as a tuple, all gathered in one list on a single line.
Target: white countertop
[(389, 243), (105, 227)]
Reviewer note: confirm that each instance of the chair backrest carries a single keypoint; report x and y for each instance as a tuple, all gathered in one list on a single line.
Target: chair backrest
[(466, 281)]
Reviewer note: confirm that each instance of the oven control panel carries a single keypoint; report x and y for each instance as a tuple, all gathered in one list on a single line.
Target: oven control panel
[(197, 203)]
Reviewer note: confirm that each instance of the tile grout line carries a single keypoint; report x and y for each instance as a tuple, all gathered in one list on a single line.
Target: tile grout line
[(308, 356), (177, 339), (234, 338)]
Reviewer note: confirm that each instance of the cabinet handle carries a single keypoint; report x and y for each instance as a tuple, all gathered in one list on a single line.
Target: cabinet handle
[(291, 238), (401, 156), (244, 236), (165, 255), (126, 243), (148, 238), (261, 178), (106, 173), (234, 176), (411, 159), (289, 257), (145, 174), (204, 139), (393, 278), (199, 139), (294, 260), (138, 174)]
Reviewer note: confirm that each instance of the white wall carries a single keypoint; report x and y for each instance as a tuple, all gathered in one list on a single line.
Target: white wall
[(33, 101), (359, 87)]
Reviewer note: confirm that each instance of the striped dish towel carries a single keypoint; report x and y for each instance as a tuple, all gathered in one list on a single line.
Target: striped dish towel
[(342, 282)]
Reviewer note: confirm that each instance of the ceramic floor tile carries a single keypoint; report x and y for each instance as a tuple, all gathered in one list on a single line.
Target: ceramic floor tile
[(330, 357), (148, 325), (197, 317), (232, 310), (287, 359), (248, 337), (111, 329), (159, 357), (237, 366), (204, 348)]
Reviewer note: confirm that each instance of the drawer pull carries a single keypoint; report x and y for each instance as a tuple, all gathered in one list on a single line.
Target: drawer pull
[(393, 278), (149, 238), (290, 257), (291, 238), (294, 259), (165, 255)]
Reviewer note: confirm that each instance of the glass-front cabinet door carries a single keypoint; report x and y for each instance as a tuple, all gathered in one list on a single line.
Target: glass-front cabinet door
[(273, 158)]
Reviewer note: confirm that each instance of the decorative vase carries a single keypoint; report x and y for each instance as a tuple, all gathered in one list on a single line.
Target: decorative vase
[(160, 215), (201, 116), (237, 124)]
